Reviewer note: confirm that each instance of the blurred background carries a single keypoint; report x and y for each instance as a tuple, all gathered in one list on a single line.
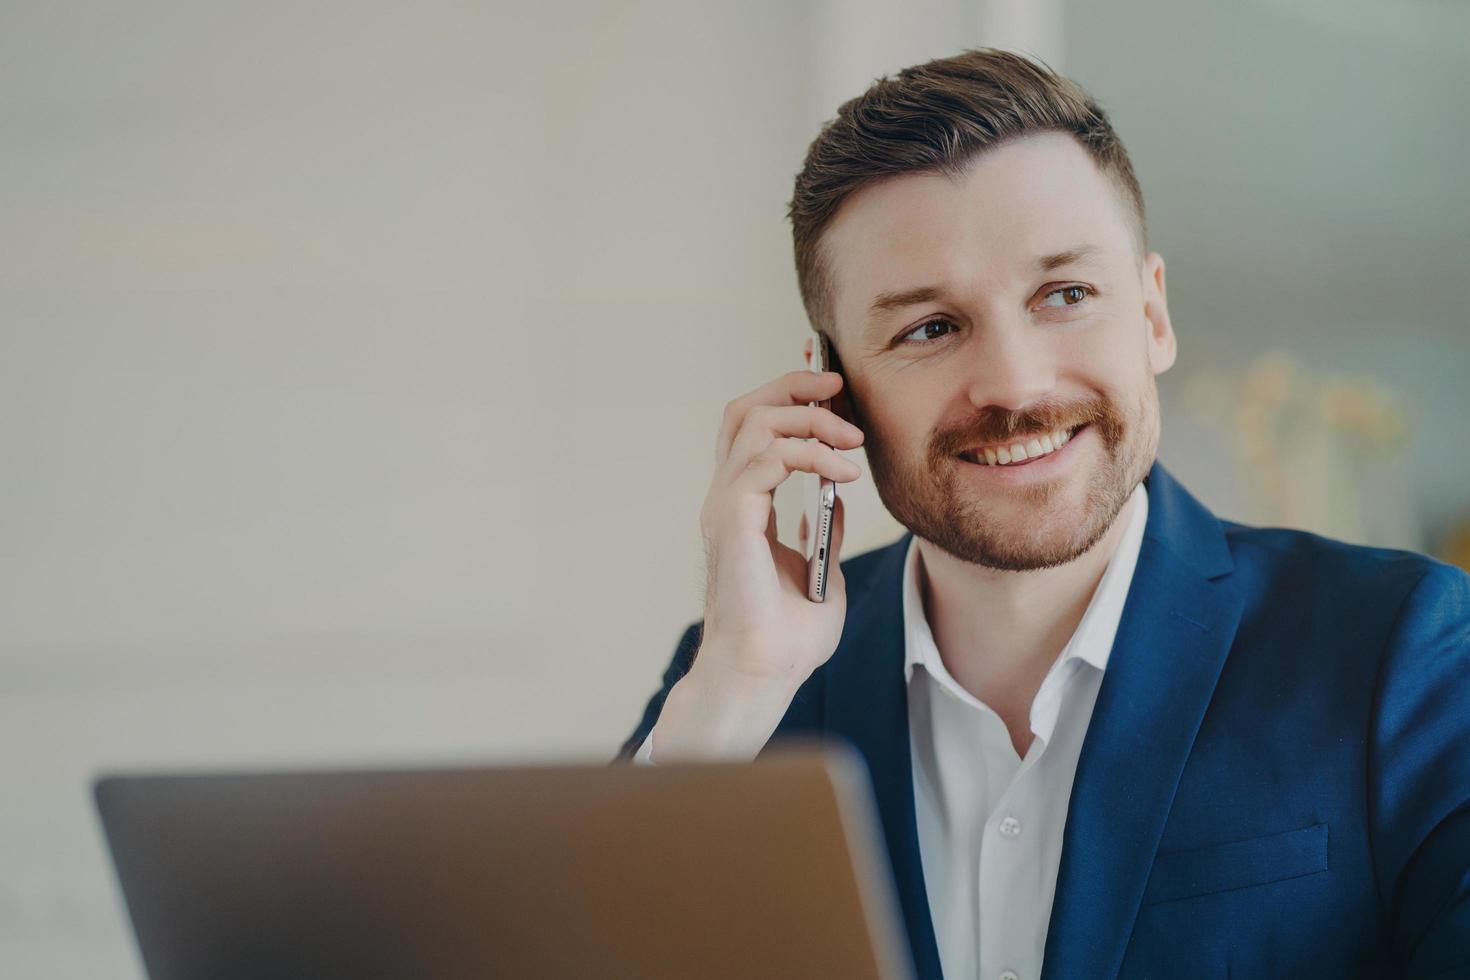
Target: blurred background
[(360, 363)]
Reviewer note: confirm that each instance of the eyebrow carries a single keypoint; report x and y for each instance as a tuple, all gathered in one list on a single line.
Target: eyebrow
[(897, 300)]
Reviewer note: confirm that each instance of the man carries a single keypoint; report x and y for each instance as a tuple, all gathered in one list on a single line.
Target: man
[(1109, 734)]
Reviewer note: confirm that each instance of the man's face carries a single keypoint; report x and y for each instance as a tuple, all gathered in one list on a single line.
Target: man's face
[(1041, 320)]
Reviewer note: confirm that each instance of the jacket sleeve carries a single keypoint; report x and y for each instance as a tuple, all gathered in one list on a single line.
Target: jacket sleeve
[(683, 659), (1419, 777)]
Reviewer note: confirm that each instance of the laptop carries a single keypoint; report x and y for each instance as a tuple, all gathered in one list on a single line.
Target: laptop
[(770, 869)]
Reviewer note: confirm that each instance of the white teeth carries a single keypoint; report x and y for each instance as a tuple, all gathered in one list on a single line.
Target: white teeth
[(1018, 452)]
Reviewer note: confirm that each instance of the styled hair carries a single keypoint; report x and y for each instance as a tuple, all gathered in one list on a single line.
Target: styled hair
[(935, 118)]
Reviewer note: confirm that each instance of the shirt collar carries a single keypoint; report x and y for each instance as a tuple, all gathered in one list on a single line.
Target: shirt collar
[(1092, 642)]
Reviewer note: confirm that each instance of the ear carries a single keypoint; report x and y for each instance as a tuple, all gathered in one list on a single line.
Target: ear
[(1162, 348)]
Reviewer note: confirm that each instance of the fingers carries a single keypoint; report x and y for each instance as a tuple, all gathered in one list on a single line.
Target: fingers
[(765, 437), (765, 423), (792, 388), (769, 469)]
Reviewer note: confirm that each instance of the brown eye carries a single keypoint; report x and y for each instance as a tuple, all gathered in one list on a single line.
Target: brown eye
[(929, 330), (1071, 296)]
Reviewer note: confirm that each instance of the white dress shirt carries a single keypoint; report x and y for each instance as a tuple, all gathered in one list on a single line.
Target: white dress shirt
[(989, 822)]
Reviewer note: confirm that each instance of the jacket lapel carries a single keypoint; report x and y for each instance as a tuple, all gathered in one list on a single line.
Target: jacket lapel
[(867, 703), (1178, 623)]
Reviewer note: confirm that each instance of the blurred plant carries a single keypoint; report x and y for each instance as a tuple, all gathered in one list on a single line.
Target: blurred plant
[(1320, 450)]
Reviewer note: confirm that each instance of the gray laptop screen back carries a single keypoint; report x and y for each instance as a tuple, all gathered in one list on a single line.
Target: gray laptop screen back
[(715, 870)]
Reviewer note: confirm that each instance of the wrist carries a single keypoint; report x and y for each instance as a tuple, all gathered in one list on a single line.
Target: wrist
[(714, 713)]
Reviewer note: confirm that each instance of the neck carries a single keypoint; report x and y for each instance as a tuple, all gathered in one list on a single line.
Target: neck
[(999, 631)]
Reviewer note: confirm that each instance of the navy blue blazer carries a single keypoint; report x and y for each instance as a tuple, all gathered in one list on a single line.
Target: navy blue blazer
[(1276, 777)]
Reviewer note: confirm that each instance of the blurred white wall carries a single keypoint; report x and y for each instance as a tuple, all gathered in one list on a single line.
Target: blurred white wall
[(360, 363), (360, 366)]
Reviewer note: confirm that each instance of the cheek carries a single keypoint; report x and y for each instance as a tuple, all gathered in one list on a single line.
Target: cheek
[(892, 423), (1114, 358)]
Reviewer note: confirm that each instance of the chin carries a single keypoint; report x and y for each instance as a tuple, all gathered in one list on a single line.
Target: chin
[(1033, 553), (1006, 531)]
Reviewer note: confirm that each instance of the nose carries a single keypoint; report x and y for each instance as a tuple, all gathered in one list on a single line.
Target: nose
[(1012, 367)]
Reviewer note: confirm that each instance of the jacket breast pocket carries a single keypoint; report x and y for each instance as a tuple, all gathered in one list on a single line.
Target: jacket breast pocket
[(1237, 864)]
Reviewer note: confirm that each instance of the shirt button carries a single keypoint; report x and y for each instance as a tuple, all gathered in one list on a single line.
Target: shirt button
[(1010, 827), (1009, 975)]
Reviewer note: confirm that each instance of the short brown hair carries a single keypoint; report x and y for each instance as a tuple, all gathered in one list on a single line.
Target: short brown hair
[(936, 117)]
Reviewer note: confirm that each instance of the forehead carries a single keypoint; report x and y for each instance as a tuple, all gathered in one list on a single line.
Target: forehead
[(1033, 196)]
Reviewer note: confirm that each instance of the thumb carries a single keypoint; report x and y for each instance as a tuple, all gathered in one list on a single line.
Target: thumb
[(834, 568)]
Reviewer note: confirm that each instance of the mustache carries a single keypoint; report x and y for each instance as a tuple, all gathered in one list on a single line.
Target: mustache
[(996, 425)]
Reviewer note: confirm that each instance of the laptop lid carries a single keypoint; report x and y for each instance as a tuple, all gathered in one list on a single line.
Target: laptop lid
[(715, 870)]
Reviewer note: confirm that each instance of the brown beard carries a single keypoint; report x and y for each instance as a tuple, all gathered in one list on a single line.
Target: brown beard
[(929, 502)]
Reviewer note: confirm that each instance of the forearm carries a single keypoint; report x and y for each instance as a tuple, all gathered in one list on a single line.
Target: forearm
[(708, 715)]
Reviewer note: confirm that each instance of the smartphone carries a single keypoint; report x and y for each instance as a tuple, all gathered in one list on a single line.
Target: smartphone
[(820, 520)]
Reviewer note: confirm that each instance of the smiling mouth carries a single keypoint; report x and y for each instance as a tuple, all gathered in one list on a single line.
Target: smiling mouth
[(1019, 451)]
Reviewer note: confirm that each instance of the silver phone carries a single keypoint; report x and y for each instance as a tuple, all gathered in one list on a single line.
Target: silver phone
[(826, 503)]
